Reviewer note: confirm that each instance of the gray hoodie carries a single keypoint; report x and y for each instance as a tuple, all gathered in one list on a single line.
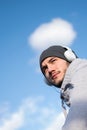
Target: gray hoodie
[(74, 94)]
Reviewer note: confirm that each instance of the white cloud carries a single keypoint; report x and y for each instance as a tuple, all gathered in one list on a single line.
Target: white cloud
[(32, 112), (15, 121), (57, 123), (57, 31)]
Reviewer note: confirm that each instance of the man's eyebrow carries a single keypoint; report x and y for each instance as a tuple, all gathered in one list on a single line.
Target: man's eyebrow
[(48, 62), (52, 59)]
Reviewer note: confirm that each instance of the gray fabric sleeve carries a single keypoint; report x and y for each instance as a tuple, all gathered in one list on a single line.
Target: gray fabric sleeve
[(77, 116)]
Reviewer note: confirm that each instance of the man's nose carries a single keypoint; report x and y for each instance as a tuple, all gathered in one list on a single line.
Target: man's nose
[(50, 68)]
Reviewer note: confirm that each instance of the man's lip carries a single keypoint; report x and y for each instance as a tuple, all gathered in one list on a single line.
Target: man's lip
[(54, 76)]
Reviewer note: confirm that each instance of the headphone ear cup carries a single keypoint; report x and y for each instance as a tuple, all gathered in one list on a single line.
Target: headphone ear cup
[(69, 54)]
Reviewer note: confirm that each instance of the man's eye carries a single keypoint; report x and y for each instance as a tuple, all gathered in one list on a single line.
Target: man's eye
[(44, 69), (53, 60)]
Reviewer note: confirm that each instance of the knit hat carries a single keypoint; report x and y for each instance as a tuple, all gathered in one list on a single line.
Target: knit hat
[(57, 51)]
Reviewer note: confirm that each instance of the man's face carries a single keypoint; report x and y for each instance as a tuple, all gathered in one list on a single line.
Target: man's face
[(54, 69)]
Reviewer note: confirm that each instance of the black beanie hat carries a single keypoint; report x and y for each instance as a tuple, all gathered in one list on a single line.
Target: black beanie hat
[(57, 51)]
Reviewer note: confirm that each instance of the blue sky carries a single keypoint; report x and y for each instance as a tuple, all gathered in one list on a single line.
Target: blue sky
[(26, 28)]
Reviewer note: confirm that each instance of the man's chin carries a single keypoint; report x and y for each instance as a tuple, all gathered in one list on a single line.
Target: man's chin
[(58, 85)]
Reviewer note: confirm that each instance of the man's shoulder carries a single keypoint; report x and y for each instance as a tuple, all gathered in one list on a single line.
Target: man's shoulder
[(77, 64)]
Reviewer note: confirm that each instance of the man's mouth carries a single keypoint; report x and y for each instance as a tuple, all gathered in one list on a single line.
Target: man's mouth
[(55, 75)]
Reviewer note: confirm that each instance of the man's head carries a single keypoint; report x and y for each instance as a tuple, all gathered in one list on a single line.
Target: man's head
[(54, 62)]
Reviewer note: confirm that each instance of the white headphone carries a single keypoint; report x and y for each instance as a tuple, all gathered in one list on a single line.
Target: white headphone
[(69, 54)]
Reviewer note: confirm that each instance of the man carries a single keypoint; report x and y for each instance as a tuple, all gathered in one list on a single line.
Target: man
[(63, 69)]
